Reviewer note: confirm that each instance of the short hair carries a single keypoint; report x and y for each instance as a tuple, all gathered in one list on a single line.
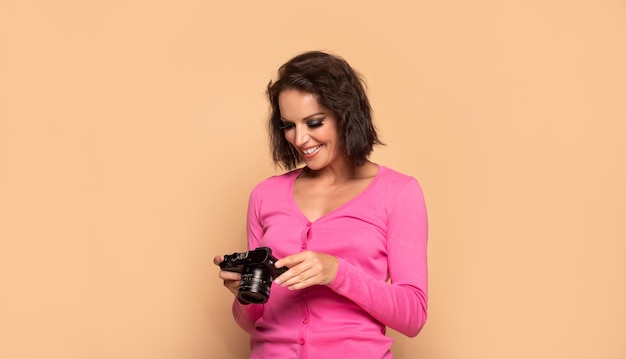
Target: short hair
[(337, 87)]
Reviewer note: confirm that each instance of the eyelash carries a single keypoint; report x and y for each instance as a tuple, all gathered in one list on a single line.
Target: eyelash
[(315, 123), (311, 124)]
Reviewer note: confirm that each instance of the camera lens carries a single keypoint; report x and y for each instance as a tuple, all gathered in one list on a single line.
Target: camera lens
[(255, 284)]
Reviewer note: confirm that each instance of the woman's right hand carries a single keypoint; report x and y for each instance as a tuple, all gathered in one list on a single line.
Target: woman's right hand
[(231, 279)]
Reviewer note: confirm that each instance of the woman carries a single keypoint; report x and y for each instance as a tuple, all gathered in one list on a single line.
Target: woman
[(352, 232)]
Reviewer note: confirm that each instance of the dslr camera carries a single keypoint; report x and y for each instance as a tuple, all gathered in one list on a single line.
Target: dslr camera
[(257, 273)]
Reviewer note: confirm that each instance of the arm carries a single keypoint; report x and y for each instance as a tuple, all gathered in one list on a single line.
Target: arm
[(247, 314), (402, 304)]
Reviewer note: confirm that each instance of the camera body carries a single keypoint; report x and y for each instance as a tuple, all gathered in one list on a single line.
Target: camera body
[(257, 273)]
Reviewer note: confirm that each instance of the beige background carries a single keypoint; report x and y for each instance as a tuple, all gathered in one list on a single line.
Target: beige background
[(131, 133)]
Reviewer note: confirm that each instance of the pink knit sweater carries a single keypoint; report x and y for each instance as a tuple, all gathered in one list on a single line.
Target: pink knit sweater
[(380, 240)]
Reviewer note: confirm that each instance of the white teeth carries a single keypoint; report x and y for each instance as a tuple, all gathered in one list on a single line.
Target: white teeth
[(311, 150)]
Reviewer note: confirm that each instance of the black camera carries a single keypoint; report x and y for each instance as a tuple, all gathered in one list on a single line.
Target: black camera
[(257, 273)]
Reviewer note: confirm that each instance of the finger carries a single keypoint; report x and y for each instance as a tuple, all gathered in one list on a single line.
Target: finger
[(226, 275), (318, 270), (300, 274), (292, 260), (218, 259), (293, 271), (232, 283), (232, 286), (303, 281)]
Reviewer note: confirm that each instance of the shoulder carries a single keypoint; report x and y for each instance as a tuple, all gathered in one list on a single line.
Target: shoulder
[(394, 185), (395, 178), (398, 191)]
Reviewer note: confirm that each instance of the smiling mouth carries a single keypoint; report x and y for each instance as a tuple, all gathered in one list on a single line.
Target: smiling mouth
[(312, 150)]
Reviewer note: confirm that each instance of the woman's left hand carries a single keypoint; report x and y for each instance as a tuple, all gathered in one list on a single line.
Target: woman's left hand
[(306, 269)]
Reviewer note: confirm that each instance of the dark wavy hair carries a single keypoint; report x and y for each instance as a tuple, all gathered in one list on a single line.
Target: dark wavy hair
[(337, 87)]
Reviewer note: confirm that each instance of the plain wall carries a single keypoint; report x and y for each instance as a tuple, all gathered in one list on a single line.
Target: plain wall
[(131, 133)]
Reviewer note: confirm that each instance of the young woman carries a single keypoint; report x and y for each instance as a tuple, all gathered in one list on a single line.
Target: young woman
[(353, 233)]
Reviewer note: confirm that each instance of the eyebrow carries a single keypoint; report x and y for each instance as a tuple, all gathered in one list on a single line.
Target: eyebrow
[(306, 118)]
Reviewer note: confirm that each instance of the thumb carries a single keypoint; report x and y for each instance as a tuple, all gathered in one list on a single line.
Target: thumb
[(218, 259)]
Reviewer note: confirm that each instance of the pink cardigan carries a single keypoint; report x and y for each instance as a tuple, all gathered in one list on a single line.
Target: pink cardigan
[(380, 240)]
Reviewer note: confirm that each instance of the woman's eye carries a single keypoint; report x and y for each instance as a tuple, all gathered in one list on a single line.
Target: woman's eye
[(315, 123), (286, 126)]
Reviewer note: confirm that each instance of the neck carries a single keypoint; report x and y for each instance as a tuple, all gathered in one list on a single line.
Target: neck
[(339, 174)]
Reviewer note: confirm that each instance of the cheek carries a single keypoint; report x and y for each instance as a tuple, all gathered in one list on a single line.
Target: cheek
[(289, 136)]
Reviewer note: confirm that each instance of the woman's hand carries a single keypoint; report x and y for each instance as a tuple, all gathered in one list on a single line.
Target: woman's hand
[(306, 269), (231, 279)]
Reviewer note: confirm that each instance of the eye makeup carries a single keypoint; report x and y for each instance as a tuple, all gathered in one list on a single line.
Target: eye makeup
[(312, 123), (286, 126), (316, 122)]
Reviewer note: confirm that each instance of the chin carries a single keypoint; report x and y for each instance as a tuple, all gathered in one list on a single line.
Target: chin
[(313, 166)]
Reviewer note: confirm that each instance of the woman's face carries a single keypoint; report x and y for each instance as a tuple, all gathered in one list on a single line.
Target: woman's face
[(310, 128)]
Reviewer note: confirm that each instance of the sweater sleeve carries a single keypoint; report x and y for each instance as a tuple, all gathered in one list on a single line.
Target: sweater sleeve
[(247, 314), (400, 304)]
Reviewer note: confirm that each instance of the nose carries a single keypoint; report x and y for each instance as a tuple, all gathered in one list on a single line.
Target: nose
[(302, 135)]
